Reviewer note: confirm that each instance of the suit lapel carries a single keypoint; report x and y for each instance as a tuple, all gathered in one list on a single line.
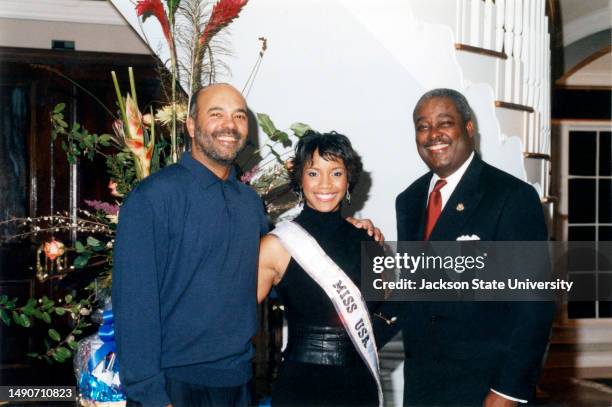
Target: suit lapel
[(418, 208), (421, 210), (461, 204)]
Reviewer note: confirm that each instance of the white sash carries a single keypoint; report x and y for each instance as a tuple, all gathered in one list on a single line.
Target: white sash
[(340, 289)]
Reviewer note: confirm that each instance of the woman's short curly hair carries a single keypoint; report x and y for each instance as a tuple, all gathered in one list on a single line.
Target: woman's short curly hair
[(331, 146)]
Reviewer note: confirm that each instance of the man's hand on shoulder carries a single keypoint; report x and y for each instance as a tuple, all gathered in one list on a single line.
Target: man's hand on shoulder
[(369, 226), (495, 400)]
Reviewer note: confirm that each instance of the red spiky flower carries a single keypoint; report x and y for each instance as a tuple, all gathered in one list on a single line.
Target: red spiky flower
[(148, 8), (223, 13)]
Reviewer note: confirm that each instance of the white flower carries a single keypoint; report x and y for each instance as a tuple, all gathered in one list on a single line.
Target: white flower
[(164, 115), (113, 218)]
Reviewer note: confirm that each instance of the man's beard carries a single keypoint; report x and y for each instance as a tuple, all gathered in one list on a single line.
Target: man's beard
[(205, 143)]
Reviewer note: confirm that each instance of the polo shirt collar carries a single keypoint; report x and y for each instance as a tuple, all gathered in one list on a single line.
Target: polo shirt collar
[(204, 176)]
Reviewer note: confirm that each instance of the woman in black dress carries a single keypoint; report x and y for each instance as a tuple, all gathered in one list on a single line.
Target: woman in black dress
[(321, 366)]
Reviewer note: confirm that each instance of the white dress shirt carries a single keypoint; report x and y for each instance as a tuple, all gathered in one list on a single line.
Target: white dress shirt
[(451, 181)]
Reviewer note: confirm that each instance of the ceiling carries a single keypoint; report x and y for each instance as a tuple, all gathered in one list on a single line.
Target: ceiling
[(572, 9), (581, 18)]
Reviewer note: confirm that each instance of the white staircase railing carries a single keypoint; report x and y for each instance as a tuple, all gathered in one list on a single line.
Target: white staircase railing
[(519, 29)]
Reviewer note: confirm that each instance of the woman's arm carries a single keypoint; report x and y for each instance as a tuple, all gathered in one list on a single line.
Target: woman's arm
[(273, 261)]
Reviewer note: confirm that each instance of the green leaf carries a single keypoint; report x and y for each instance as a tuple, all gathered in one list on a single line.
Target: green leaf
[(16, 318), (31, 303), (58, 358), (59, 107), (266, 124), (172, 6), (73, 345), (3, 299), (46, 317), (25, 321), (47, 303), (68, 298), (279, 136), (277, 155), (60, 311), (99, 249), (93, 242), (82, 260), (62, 123), (53, 334), (64, 352), (105, 140), (89, 140), (299, 129), (5, 318), (32, 354), (282, 137), (79, 247), (77, 332)]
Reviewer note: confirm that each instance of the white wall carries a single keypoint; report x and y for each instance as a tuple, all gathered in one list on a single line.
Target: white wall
[(354, 66), (358, 67)]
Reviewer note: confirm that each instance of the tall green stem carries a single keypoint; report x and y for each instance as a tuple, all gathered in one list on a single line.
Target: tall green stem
[(132, 84), (119, 98)]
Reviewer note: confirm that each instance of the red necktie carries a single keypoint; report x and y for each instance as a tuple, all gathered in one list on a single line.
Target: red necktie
[(434, 208)]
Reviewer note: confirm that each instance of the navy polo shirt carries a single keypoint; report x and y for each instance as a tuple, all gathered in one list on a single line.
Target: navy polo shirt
[(184, 280)]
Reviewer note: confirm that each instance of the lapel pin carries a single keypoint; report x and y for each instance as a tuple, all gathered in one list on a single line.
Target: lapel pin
[(460, 207)]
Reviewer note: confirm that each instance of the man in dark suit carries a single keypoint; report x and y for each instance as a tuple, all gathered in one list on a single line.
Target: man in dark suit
[(466, 353)]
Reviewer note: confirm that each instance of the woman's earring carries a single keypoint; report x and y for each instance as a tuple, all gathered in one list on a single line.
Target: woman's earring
[(348, 197)]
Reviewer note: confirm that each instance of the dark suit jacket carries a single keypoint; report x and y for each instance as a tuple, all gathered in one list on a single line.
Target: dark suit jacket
[(457, 351)]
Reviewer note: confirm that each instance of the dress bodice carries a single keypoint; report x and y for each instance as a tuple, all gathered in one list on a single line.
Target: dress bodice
[(320, 364), (305, 302)]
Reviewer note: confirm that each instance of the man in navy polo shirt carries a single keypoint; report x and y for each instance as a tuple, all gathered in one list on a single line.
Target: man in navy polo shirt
[(185, 268)]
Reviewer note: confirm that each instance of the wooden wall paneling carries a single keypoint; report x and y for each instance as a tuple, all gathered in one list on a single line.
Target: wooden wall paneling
[(45, 178)]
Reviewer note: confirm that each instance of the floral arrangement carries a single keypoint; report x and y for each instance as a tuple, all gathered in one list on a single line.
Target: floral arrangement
[(139, 145)]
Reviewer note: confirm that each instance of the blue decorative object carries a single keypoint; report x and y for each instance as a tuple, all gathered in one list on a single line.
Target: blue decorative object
[(96, 365), (93, 389), (107, 334), (265, 402)]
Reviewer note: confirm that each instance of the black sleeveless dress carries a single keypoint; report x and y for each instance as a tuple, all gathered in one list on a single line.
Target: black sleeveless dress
[(320, 365)]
